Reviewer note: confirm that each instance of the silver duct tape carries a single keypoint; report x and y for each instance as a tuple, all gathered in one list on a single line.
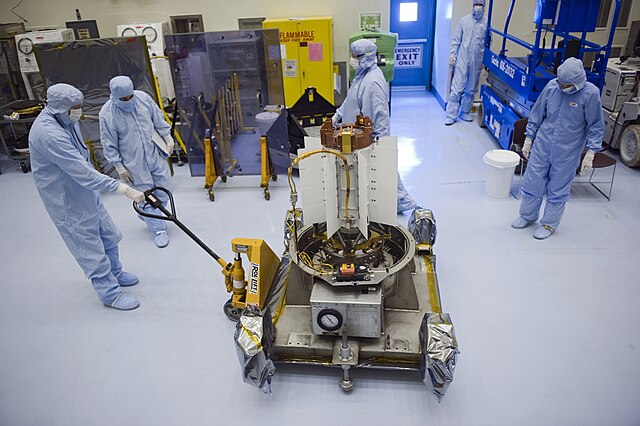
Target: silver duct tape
[(254, 336), (277, 292), (422, 226), (439, 352)]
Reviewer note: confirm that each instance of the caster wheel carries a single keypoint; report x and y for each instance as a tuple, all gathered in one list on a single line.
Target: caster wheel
[(267, 195), (212, 196), (346, 385), (274, 177), (223, 178), (231, 312), (24, 167)]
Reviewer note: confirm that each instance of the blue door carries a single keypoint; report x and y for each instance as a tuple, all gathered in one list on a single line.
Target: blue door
[(413, 20)]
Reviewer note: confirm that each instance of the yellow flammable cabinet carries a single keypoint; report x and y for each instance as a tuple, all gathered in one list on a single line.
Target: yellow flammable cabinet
[(306, 45)]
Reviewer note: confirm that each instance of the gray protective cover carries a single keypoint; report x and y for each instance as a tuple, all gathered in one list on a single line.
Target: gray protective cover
[(88, 65)]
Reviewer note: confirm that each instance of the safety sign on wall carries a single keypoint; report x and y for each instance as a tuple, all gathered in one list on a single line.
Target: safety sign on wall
[(408, 56), (370, 21)]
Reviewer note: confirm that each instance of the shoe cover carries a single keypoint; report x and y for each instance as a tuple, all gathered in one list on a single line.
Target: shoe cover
[(161, 239), (520, 223), (127, 279), (123, 302), (466, 117), (542, 232)]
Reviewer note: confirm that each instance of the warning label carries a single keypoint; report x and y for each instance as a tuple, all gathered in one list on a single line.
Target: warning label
[(408, 56), (295, 36), (253, 278)]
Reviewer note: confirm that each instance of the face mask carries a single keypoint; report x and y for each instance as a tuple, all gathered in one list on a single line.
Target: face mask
[(75, 114), (478, 11), (355, 63), (570, 89), (126, 105)]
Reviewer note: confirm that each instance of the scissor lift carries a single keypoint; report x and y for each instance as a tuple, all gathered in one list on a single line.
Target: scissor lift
[(515, 82)]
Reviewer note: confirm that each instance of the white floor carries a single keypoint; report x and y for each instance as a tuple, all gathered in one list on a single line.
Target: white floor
[(549, 330)]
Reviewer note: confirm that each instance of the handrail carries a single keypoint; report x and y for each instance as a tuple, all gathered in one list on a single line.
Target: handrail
[(506, 27), (512, 38), (585, 45)]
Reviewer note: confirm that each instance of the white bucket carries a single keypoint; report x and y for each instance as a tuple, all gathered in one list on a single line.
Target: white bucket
[(264, 120), (501, 164)]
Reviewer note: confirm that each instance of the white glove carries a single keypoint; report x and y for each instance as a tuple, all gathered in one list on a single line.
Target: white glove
[(170, 144), (335, 119), (129, 192), (526, 148), (452, 59), (124, 174), (587, 161)]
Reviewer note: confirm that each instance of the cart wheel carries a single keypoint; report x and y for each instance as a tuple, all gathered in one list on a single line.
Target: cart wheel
[(267, 194), (231, 311), (630, 146), (24, 167), (480, 118), (223, 178), (212, 196), (274, 177)]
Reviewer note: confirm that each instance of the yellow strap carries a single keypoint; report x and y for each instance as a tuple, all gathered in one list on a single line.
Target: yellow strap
[(434, 297), (252, 337)]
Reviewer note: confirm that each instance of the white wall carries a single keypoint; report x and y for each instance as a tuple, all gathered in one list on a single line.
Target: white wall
[(443, 31), (217, 15)]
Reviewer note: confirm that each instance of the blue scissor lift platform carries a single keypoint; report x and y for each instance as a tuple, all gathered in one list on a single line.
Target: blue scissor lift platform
[(515, 82)]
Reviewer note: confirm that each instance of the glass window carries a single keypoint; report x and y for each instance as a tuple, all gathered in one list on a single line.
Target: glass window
[(408, 12), (606, 10)]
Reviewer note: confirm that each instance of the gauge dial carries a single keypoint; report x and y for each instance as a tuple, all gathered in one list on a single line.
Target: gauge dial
[(330, 319), (25, 45), (129, 32), (150, 33)]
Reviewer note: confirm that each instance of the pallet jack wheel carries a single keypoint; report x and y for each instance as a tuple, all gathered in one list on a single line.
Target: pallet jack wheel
[(231, 311), (267, 194), (24, 167), (274, 177), (223, 178), (212, 196)]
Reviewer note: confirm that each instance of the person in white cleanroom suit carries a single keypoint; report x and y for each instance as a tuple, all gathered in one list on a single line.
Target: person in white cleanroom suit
[(127, 121), (467, 48), (368, 95), (566, 118), (69, 187)]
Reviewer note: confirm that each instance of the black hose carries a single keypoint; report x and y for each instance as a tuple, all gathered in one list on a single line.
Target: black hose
[(169, 215)]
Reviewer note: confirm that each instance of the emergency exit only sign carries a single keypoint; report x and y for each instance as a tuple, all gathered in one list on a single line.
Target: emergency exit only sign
[(408, 56)]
